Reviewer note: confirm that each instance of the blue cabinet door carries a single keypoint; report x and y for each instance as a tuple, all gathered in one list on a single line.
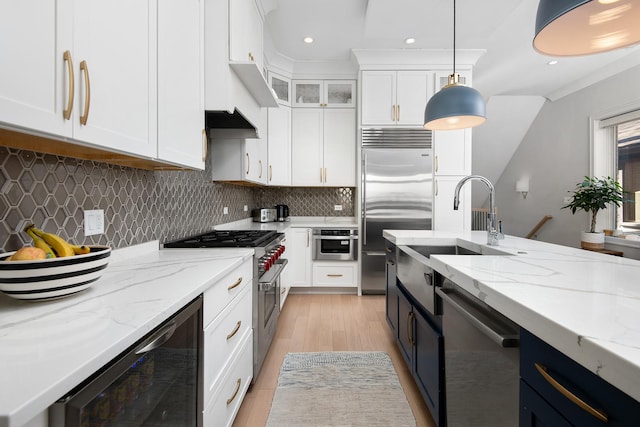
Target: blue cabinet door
[(541, 365), (392, 289), (429, 366), (536, 412), (405, 329)]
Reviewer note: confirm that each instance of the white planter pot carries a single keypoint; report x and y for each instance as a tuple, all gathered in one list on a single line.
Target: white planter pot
[(592, 240)]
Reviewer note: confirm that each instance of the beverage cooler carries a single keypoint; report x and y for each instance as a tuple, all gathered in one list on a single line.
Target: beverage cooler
[(153, 383)]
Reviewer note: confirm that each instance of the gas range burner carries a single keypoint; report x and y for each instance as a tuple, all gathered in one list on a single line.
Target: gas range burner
[(225, 239)]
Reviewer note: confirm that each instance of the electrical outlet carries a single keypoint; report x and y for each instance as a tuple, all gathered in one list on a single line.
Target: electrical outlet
[(337, 207), (246, 208), (225, 211), (93, 222)]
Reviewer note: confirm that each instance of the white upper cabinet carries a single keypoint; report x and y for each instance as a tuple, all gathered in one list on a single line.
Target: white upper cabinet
[(36, 84), (395, 98), (324, 93), (452, 152), (281, 86), (245, 32), (114, 55), (181, 138), (323, 147), (279, 146), (82, 70)]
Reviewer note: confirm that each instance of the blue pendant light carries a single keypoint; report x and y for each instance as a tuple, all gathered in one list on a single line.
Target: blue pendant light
[(455, 106), (584, 27)]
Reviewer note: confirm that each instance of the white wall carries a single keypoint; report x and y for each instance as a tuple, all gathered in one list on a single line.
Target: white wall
[(554, 154)]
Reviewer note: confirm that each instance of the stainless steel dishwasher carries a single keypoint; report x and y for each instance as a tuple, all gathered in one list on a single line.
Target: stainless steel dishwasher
[(481, 351)]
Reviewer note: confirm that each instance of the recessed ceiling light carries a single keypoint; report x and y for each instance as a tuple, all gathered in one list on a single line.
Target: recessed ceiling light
[(308, 40), (410, 40), (553, 62)]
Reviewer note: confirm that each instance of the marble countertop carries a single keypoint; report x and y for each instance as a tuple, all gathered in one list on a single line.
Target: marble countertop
[(295, 221), (583, 303), (48, 348)]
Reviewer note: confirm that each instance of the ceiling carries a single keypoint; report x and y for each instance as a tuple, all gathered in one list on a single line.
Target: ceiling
[(502, 28)]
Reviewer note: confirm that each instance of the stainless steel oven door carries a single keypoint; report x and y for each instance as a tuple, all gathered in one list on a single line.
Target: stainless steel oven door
[(335, 248), (267, 296)]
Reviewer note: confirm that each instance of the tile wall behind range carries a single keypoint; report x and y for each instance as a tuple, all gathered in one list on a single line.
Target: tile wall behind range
[(53, 192)]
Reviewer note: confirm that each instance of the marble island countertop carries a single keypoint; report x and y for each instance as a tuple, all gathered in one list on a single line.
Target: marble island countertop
[(583, 303), (48, 348)]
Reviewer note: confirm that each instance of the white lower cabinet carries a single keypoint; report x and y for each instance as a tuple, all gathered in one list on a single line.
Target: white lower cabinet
[(331, 273), (227, 396), (228, 345), (300, 257)]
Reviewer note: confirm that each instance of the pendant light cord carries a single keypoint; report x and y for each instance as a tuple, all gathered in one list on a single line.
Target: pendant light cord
[(454, 36)]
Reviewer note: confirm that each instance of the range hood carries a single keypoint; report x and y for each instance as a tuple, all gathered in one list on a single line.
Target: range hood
[(223, 124)]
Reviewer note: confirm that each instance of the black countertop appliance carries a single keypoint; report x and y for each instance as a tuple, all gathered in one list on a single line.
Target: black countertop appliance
[(282, 212)]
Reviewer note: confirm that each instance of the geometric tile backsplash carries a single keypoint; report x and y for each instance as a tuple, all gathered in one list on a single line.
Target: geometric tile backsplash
[(139, 205)]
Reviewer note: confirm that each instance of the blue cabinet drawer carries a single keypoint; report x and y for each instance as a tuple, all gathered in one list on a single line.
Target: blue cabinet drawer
[(541, 365)]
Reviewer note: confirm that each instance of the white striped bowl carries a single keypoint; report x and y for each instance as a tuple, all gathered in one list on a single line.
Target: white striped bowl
[(39, 280)]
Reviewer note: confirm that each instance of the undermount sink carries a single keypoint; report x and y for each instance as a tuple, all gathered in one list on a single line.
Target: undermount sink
[(427, 251)]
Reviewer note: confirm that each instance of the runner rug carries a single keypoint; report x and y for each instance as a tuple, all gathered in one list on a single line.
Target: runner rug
[(339, 389)]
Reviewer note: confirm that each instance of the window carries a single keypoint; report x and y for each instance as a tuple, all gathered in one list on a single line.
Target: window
[(616, 153), (628, 172)]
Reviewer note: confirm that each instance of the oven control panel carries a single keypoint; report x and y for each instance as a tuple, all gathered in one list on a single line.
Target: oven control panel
[(266, 261)]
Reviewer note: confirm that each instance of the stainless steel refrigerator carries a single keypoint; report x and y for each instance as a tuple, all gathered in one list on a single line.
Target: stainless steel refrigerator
[(397, 193)]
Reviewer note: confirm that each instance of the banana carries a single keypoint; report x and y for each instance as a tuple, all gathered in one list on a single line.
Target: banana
[(61, 247), (79, 250), (38, 242)]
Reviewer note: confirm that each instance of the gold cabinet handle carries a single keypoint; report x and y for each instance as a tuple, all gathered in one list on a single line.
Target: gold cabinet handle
[(308, 236), (325, 175), (436, 183), (393, 113), (270, 173), (251, 57), (410, 327), (235, 330), (70, 95), (283, 290), (398, 112), (236, 284), (235, 393), (388, 250), (334, 275), (248, 163), (87, 96), (260, 164), (599, 414), (436, 163), (321, 175), (205, 145)]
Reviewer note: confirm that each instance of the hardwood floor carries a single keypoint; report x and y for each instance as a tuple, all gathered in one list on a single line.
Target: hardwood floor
[(328, 323)]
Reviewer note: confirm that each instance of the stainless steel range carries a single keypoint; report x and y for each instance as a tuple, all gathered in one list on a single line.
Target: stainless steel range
[(267, 267)]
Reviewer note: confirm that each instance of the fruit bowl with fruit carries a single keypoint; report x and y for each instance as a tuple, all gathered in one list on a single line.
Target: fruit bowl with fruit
[(52, 268)]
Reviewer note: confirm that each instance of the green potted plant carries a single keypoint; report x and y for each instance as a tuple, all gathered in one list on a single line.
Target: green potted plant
[(591, 195)]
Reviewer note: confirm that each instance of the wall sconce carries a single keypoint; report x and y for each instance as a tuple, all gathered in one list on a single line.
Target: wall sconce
[(522, 186)]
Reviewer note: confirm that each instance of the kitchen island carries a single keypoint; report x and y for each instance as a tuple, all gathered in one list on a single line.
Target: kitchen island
[(48, 348), (582, 303)]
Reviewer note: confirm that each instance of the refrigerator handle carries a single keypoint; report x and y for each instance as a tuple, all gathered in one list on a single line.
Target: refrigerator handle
[(364, 198)]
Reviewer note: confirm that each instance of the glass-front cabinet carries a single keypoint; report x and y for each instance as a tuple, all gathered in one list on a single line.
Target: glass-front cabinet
[(324, 93), (281, 86)]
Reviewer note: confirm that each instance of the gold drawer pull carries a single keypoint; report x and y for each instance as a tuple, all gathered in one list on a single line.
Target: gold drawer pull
[(236, 284), (334, 275), (67, 111), (205, 145), (235, 330), (87, 95), (599, 414), (235, 393)]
